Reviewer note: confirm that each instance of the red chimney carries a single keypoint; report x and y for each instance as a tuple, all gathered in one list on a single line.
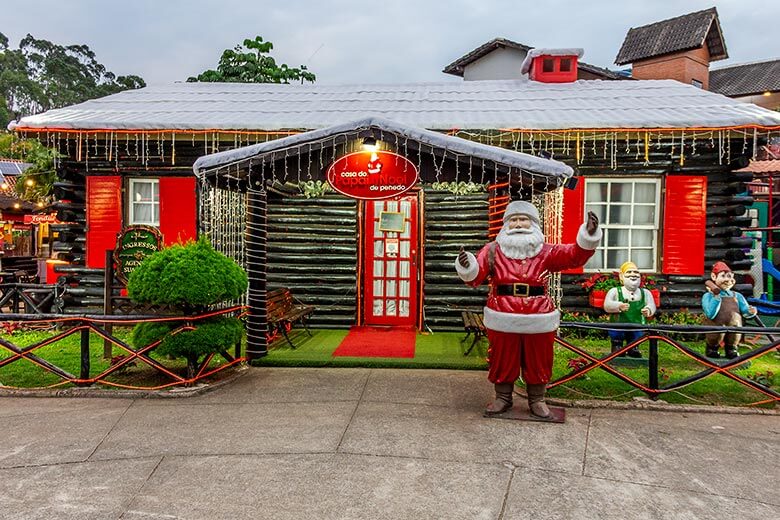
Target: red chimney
[(552, 65)]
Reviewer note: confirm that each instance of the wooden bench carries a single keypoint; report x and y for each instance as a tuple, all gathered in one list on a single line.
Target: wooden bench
[(283, 312), (472, 323)]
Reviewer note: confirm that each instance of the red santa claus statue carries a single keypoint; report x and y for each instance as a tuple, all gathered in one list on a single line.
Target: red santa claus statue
[(520, 318)]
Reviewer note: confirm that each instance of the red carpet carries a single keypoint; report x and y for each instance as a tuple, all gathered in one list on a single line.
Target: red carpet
[(371, 342)]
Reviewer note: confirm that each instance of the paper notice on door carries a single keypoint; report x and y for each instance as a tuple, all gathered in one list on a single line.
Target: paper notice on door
[(391, 247)]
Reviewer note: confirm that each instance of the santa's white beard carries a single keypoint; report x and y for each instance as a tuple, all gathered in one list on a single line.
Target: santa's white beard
[(519, 243)]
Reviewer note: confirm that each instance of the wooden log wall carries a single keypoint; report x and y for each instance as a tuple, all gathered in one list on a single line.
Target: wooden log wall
[(725, 219), (451, 221), (312, 250)]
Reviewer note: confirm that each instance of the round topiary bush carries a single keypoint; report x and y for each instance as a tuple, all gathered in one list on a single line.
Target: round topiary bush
[(190, 277)]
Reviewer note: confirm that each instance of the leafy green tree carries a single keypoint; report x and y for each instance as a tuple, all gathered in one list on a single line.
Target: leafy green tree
[(191, 277), (36, 182), (253, 64), (41, 75)]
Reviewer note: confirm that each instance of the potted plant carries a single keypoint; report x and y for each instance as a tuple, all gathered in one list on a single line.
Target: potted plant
[(597, 286), (650, 283)]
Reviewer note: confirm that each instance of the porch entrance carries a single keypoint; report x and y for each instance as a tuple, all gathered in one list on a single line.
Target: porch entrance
[(391, 261)]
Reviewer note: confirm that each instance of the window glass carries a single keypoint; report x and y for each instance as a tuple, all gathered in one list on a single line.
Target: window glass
[(619, 214), (620, 191), (628, 213), (565, 65), (144, 202), (547, 65), (617, 237), (644, 215)]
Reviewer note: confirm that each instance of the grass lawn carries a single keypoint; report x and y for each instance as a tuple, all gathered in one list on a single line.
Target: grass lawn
[(66, 354), (442, 350)]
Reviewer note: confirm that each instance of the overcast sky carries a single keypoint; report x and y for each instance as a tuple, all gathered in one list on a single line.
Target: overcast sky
[(346, 41)]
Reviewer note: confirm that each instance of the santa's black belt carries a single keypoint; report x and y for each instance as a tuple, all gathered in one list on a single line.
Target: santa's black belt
[(520, 289)]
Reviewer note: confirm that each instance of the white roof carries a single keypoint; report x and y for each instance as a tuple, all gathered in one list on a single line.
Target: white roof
[(520, 104), (456, 145)]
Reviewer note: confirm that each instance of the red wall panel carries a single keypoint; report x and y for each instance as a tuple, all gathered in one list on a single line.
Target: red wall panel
[(685, 218), (573, 215), (104, 217), (178, 209)]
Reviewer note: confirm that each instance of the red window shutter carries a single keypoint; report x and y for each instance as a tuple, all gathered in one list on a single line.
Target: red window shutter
[(177, 209), (104, 217), (573, 216), (685, 218)]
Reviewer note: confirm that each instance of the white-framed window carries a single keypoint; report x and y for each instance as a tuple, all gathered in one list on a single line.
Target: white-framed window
[(144, 200), (628, 210)]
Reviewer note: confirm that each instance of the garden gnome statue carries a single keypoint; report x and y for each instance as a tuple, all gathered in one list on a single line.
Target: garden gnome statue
[(520, 317), (628, 304), (722, 306)]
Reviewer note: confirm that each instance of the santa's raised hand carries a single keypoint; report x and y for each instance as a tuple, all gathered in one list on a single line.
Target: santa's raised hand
[(463, 259), (593, 223)]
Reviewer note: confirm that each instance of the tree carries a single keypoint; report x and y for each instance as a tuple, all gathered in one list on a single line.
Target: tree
[(41, 75), (191, 277), (36, 182), (253, 65)]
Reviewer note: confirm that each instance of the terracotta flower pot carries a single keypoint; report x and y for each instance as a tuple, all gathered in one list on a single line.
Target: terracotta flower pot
[(656, 296), (596, 298)]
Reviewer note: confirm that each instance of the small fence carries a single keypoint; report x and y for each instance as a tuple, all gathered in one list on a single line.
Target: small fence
[(661, 333), (85, 325)]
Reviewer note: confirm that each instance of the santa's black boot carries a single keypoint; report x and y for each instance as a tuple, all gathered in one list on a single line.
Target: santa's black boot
[(712, 352), (536, 401), (503, 400), (731, 352), (634, 353), (617, 344)]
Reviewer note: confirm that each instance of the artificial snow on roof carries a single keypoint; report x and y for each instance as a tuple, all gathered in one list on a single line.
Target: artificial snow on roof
[(483, 105), (452, 144)]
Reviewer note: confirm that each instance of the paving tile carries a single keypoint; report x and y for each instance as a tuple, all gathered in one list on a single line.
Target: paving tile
[(149, 429), (540, 495), (329, 486), (722, 454), (81, 491), (289, 385), (57, 430), (450, 388), (455, 434)]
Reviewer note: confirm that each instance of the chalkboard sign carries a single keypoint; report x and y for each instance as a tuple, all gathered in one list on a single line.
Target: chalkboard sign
[(391, 221), (134, 244)]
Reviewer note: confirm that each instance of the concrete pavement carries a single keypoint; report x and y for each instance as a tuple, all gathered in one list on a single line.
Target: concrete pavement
[(304, 443)]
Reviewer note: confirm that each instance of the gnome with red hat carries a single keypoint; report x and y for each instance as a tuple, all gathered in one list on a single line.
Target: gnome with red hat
[(520, 318), (724, 307)]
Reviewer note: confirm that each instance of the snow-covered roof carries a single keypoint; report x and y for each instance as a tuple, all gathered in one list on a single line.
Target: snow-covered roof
[(519, 104), (454, 145)]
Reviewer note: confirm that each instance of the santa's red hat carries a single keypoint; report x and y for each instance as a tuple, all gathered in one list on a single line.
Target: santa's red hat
[(720, 267)]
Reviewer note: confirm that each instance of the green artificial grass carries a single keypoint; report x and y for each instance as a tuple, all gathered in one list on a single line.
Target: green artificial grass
[(439, 350)]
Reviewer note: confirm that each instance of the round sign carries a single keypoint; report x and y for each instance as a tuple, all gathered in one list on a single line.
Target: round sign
[(372, 175)]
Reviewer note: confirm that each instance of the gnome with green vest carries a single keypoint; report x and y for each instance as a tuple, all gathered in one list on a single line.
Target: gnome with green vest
[(628, 304)]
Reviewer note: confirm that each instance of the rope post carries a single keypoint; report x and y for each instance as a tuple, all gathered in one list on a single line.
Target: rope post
[(652, 366), (108, 301), (84, 355), (256, 238)]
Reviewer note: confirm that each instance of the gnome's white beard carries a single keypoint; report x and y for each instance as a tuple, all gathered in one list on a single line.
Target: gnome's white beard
[(520, 243), (632, 284)]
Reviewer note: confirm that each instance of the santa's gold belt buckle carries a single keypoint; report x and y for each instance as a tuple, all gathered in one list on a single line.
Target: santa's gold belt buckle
[(518, 287)]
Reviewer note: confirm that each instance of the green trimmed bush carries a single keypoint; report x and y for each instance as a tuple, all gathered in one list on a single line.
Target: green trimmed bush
[(210, 336), (191, 277), (188, 276)]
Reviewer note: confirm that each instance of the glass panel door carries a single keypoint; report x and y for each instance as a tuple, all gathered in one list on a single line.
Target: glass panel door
[(391, 261)]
